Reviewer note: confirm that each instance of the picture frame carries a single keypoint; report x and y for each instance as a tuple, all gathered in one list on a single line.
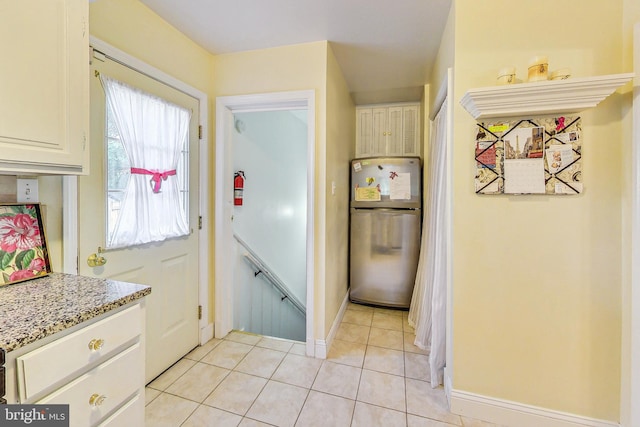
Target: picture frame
[(529, 156), (24, 254)]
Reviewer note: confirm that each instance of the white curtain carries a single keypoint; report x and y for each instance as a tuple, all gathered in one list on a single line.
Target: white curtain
[(154, 132), (427, 313)]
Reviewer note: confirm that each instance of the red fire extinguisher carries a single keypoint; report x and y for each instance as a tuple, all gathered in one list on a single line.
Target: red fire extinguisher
[(238, 188)]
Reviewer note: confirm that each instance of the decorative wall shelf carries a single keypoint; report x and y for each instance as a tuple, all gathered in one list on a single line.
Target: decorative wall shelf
[(541, 98)]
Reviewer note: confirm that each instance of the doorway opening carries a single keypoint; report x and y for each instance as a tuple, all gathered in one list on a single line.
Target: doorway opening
[(269, 222), (264, 247)]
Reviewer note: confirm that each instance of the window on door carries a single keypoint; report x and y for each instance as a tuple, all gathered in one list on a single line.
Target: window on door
[(147, 171)]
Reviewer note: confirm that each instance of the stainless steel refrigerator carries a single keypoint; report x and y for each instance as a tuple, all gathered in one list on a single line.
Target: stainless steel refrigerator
[(385, 218)]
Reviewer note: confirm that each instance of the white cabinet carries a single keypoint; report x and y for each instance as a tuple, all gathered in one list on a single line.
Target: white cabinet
[(40, 369), (388, 130), (44, 86), (98, 370), (98, 393), (131, 414)]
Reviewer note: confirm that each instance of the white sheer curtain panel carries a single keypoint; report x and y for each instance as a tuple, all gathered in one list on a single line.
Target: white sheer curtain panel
[(154, 132), (427, 313)]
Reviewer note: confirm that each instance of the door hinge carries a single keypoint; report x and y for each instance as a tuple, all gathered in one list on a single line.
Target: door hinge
[(199, 312), (200, 222), (199, 131), (96, 54)]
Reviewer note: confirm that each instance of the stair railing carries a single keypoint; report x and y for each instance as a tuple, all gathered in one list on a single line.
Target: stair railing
[(260, 268)]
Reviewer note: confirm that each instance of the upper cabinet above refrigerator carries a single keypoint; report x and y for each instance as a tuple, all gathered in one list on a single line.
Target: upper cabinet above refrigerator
[(44, 82), (388, 130)]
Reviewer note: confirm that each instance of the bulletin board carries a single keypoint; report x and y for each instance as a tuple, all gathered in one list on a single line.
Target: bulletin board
[(525, 156)]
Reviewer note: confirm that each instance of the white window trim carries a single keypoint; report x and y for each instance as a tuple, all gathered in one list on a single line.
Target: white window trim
[(70, 184)]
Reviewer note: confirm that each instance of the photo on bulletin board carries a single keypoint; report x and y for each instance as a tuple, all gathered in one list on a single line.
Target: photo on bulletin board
[(542, 156)]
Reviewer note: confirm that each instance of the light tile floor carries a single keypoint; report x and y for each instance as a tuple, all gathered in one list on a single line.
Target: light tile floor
[(373, 376)]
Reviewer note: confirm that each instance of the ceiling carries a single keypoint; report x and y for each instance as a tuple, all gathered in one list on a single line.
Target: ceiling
[(385, 48)]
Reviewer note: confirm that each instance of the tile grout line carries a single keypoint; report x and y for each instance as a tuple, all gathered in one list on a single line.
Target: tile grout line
[(360, 366), (269, 379)]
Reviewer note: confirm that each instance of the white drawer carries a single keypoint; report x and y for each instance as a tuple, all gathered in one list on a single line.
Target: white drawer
[(60, 359), (131, 414), (116, 380)]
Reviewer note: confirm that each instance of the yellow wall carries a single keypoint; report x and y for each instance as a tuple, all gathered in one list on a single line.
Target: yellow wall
[(537, 279), (287, 68), (50, 196), (340, 127), (444, 58), (302, 67), (132, 27)]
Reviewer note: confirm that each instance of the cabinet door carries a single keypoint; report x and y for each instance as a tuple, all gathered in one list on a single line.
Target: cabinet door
[(411, 130), (394, 132), (44, 85), (97, 393), (40, 369), (379, 132), (364, 129), (131, 414)]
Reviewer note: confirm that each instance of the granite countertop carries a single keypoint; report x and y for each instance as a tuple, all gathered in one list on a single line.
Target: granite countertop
[(37, 308)]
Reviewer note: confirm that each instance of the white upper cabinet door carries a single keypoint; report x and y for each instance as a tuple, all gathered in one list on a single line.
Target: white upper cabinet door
[(388, 130), (364, 129), (411, 130), (394, 132), (44, 86), (379, 132)]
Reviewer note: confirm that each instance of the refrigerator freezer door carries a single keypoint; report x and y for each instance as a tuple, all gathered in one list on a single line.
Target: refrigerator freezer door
[(384, 252), (382, 173)]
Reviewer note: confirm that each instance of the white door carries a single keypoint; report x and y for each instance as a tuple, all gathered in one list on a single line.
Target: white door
[(170, 267)]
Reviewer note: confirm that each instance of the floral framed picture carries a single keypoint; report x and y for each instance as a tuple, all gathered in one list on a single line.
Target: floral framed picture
[(23, 245)]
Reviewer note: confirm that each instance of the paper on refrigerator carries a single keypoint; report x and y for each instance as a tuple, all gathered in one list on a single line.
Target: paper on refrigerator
[(367, 194), (400, 186)]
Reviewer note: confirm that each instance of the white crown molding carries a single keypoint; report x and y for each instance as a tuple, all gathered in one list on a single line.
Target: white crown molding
[(539, 98)]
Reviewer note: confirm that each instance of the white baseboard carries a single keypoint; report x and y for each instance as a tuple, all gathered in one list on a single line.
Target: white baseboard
[(322, 346), (513, 414), (448, 384), (206, 333), (321, 349), (310, 349)]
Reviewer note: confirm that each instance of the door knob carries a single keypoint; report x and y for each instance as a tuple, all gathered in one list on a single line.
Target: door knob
[(96, 260)]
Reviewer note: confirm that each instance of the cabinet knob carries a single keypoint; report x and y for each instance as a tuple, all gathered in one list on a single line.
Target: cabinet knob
[(97, 399), (96, 344)]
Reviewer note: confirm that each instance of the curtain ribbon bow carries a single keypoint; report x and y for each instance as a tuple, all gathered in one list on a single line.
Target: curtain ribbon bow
[(156, 178)]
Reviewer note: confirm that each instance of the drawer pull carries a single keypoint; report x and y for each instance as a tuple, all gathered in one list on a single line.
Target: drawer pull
[(97, 399), (96, 344)]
